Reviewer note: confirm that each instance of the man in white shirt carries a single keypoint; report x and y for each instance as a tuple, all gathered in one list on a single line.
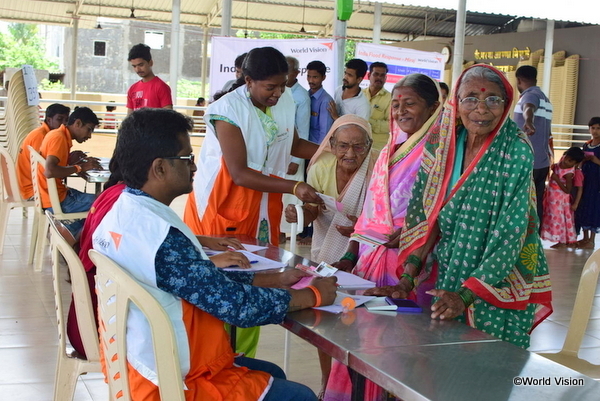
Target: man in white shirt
[(348, 98)]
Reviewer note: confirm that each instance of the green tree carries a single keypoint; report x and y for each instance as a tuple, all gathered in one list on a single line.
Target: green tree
[(23, 45)]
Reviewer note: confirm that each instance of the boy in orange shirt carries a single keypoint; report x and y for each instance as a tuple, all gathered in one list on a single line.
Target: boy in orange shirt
[(56, 115)]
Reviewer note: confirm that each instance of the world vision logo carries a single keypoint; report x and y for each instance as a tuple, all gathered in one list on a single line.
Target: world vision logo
[(116, 238), (329, 45)]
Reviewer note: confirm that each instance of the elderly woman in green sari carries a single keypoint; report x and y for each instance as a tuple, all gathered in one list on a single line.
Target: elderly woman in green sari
[(473, 208)]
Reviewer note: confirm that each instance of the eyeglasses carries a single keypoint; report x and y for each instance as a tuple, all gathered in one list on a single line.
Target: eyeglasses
[(359, 148), (492, 102), (190, 158)]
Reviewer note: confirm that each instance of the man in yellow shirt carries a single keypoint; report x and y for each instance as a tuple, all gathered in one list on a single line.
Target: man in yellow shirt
[(380, 100)]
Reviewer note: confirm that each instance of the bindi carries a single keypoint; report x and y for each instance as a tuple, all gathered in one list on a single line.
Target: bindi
[(483, 89), (399, 96)]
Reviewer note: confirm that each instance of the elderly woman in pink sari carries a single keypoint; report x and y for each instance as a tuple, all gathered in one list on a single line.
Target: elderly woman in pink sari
[(373, 251)]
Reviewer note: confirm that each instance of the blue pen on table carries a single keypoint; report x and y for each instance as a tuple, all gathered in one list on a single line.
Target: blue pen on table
[(251, 262)]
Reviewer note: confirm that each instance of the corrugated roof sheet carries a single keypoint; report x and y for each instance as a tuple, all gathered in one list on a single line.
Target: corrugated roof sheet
[(398, 23)]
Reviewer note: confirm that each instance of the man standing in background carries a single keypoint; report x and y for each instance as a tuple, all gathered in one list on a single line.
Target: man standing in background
[(533, 114), (349, 99), (320, 119), (380, 100), (150, 91)]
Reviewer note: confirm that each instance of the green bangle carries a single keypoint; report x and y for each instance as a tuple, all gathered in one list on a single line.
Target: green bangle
[(466, 295), (409, 278), (350, 256), (414, 260)]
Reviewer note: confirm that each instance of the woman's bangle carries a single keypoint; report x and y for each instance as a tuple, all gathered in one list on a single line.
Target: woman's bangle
[(77, 168), (466, 295), (415, 260), (317, 294), (409, 278), (295, 187), (350, 256)]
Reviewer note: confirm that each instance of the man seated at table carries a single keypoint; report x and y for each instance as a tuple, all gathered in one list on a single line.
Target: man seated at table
[(55, 149), (147, 238), (56, 115)]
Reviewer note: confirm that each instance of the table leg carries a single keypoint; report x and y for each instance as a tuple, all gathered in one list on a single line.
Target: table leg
[(358, 385)]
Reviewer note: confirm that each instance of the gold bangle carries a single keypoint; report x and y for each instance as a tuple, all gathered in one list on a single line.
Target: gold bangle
[(296, 186)]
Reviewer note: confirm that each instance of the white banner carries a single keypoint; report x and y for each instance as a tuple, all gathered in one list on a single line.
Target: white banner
[(226, 49), (401, 62)]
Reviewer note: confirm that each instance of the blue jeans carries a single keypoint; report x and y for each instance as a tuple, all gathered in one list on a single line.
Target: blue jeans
[(75, 202), (281, 389)]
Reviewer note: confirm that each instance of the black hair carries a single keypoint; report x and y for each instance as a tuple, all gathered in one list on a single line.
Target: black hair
[(317, 66), (264, 62), (423, 85), (358, 65), (57, 108), (85, 114), (444, 86), (239, 60), (145, 135), (200, 100), (594, 120), (378, 64), (575, 153), (527, 73), (140, 51), (115, 172)]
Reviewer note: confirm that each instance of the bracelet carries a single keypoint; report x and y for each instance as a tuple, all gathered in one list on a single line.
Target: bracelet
[(77, 168), (317, 294), (466, 295), (414, 260), (350, 256), (409, 278), (296, 186)]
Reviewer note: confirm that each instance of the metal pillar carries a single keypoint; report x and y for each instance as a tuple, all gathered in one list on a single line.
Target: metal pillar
[(226, 17), (204, 75), (175, 50), (377, 24), (459, 41), (74, 58), (548, 56)]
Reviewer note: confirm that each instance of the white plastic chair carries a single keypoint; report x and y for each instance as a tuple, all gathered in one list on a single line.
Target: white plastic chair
[(569, 354), (116, 290), (36, 252), (11, 195), (69, 366)]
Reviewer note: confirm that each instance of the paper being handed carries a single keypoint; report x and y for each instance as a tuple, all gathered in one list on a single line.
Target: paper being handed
[(331, 203)]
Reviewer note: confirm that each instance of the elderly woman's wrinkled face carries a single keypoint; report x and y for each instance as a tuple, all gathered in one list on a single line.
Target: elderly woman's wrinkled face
[(350, 144), (482, 116), (409, 110)]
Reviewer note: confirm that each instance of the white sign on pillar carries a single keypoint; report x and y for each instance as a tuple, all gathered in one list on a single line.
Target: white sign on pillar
[(225, 50), (31, 89)]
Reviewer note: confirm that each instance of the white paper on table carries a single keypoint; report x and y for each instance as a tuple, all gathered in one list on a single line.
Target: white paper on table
[(349, 280), (257, 263), (331, 203), (249, 248), (336, 306)]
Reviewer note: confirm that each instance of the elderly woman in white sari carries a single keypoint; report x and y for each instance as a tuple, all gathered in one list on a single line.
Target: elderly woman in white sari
[(341, 168)]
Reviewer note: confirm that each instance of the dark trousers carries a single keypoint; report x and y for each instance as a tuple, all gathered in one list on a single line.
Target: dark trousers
[(539, 179)]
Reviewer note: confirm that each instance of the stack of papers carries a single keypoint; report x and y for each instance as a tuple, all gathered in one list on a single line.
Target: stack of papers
[(257, 263), (379, 303), (352, 281)]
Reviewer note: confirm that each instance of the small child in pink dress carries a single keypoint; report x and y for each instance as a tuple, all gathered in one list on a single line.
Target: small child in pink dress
[(558, 223)]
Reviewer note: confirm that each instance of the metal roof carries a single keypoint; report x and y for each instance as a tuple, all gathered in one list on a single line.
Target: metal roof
[(398, 22)]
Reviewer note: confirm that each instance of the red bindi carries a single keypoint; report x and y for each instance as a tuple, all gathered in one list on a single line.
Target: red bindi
[(399, 96), (483, 89)]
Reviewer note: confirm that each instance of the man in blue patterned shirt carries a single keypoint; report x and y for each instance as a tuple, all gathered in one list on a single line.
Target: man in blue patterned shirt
[(147, 238)]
